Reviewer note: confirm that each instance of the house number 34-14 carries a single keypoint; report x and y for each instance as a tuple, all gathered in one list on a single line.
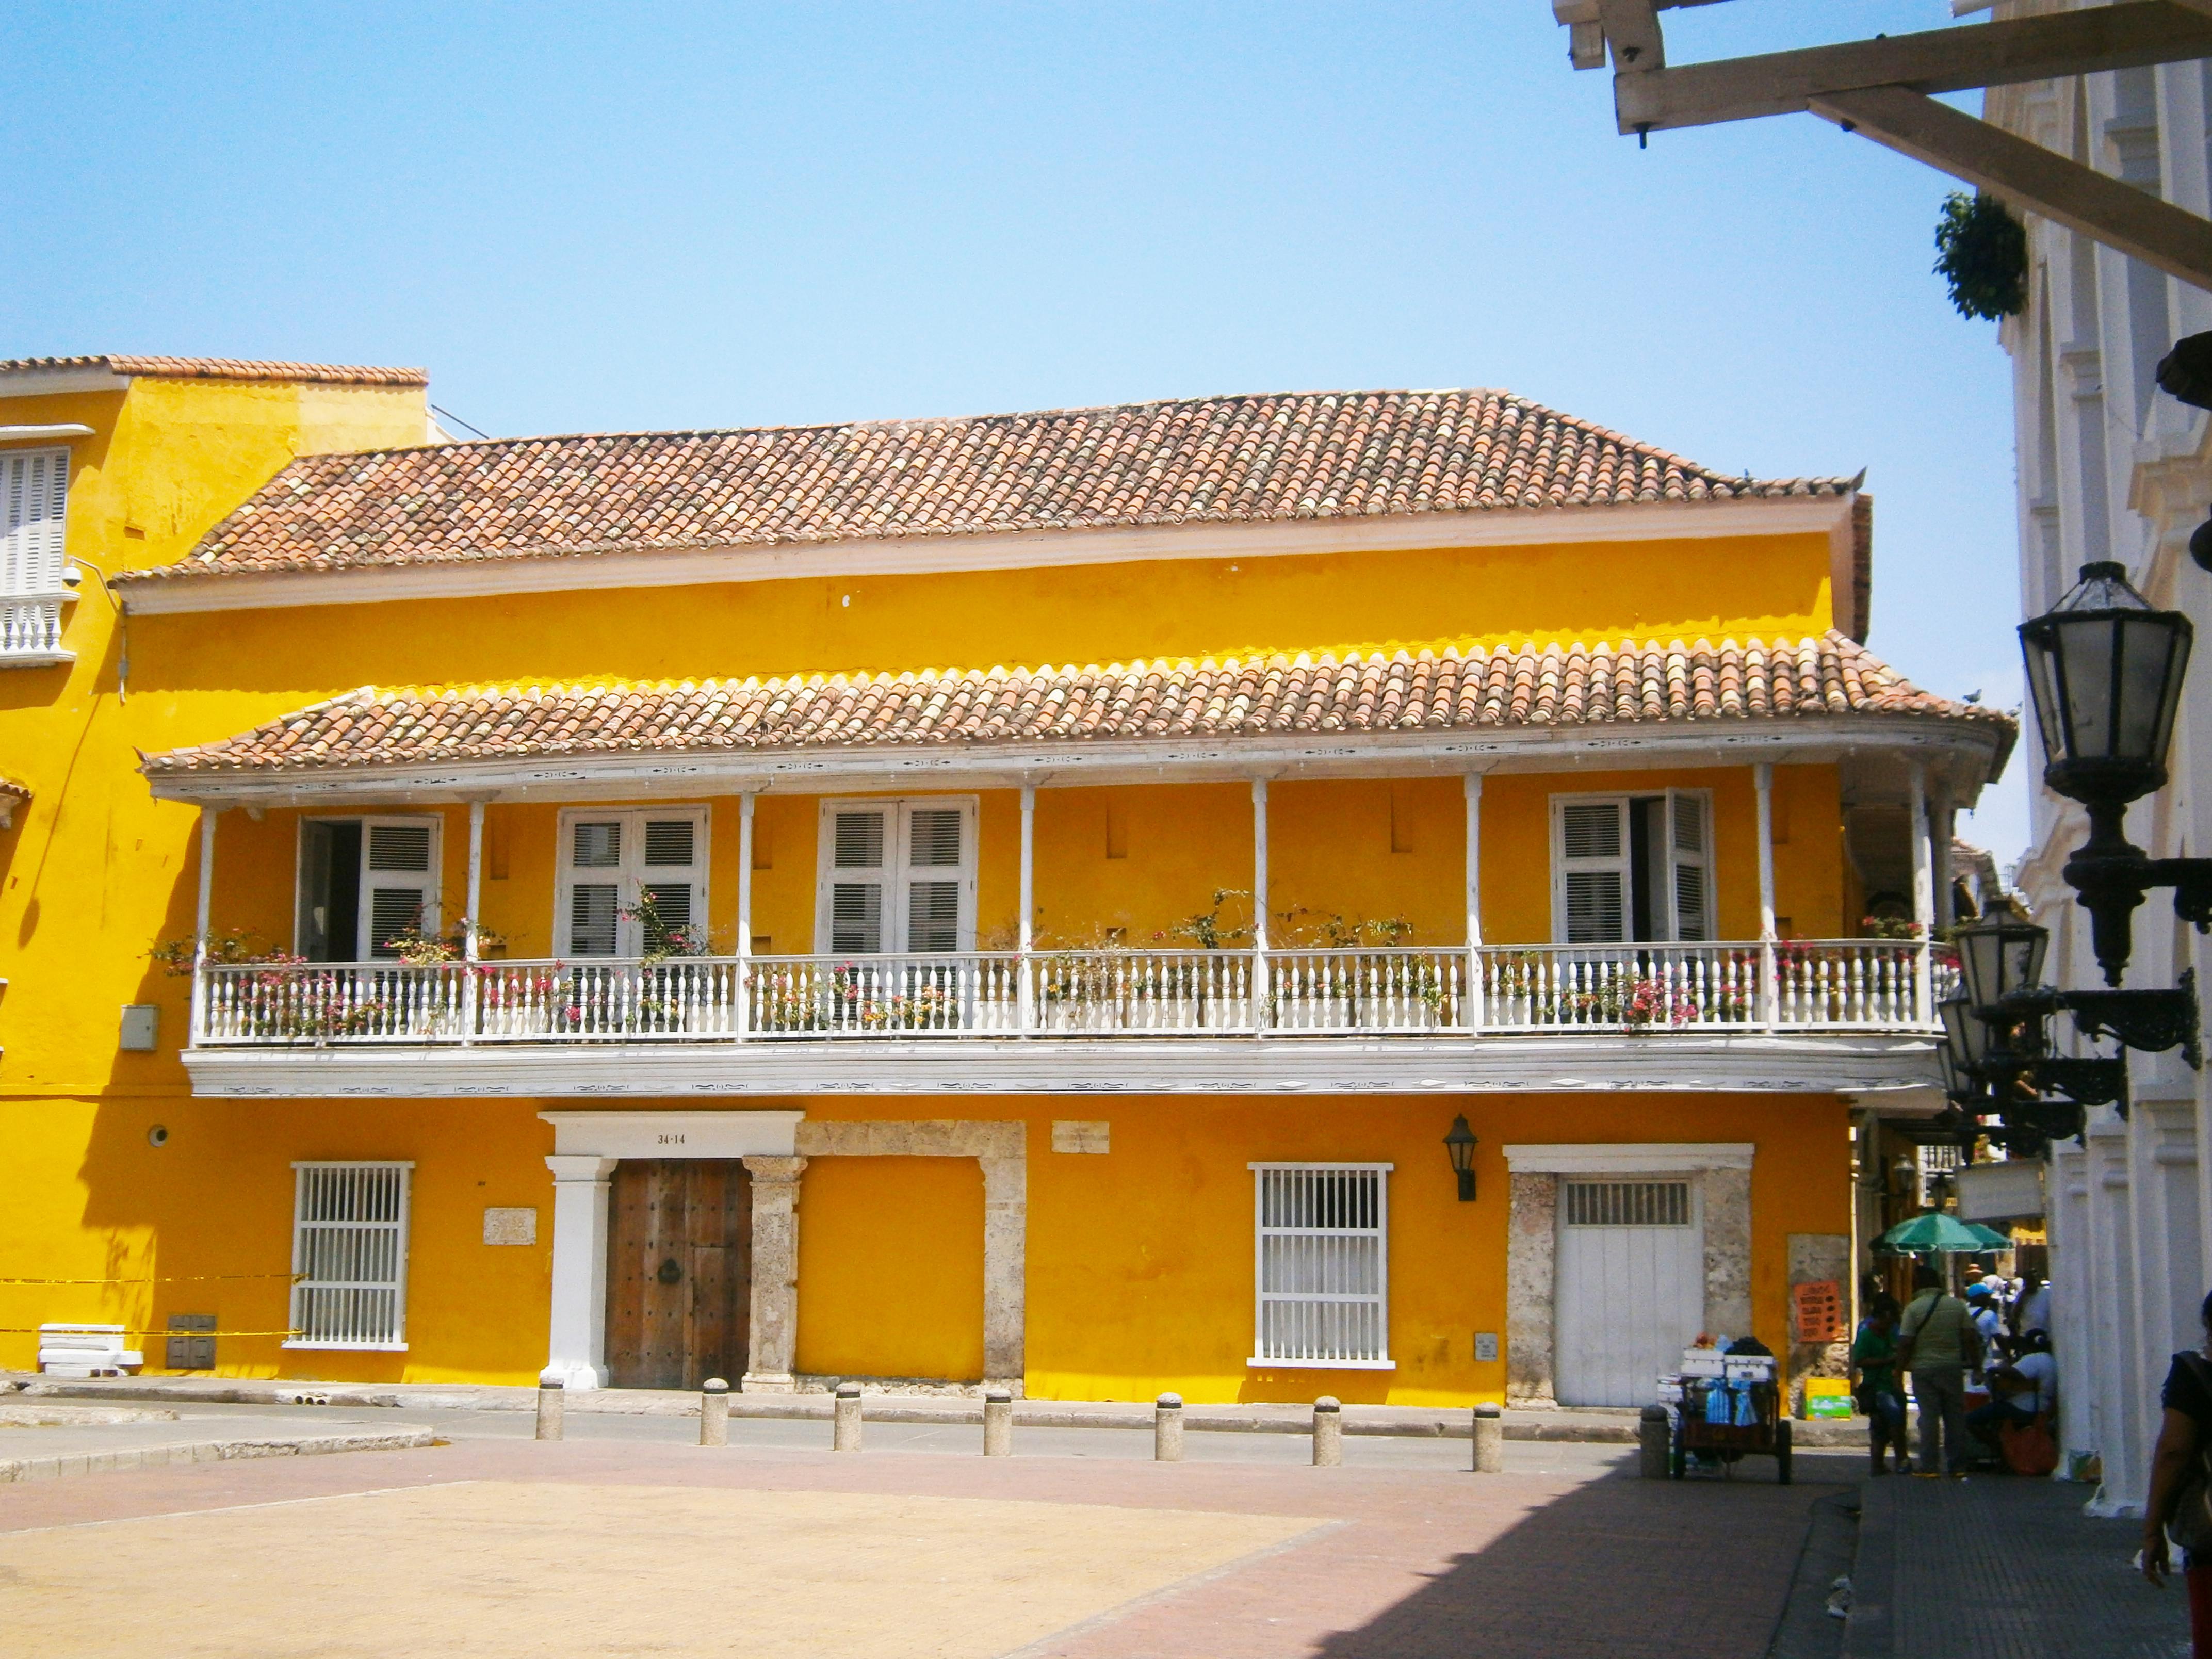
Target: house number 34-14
[(671, 1140)]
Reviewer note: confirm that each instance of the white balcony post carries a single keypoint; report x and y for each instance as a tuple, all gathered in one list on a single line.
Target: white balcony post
[(1259, 903), (1762, 780), (469, 948), (741, 1012), (1923, 897), (1940, 832), (1025, 926), (208, 816), (1471, 785)]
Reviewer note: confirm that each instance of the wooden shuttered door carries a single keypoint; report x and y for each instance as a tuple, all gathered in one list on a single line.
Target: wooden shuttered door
[(632, 883), (1689, 863), (1592, 871), (399, 882), (897, 877), (679, 1275), (1633, 868)]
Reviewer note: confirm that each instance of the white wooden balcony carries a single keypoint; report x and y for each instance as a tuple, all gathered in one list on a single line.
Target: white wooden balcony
[(1653, 991)]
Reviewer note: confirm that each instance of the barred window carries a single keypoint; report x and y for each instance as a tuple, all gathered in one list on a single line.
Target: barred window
[(349, 1256), (1628, 1204), (1321, 1259)]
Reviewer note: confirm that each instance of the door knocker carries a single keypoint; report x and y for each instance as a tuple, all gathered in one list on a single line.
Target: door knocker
[(671, 1272)]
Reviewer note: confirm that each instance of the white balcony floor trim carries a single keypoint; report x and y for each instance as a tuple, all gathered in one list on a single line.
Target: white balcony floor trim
[(1898, 1069)]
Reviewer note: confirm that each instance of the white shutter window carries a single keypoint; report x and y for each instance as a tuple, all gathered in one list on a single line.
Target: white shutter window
[(898, 875), (399, 881), (613, 861), (33, 514), (349, 1255), (1690, 864), (1321, 1263), (1591, 856)]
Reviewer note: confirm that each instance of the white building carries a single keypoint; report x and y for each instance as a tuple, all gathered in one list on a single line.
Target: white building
[(2110, 467)]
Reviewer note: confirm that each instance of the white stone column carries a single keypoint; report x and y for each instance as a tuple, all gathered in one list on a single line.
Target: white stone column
[(2065, 1196), (1924, 896), (741, 1012), (469, 951), (1262, 990), (2162, 1180), (1026, 925), (2114, 1354), (577, 1348), (1006, 1254), (208, 816), (772, 1336), (1762, 785), (1941, 828)]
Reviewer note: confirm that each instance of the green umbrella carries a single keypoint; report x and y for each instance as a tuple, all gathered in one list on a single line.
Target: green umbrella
[(1936, 1231)]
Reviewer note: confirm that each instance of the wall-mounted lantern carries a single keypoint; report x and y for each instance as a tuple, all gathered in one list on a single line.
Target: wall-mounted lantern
[(1459, 1143)]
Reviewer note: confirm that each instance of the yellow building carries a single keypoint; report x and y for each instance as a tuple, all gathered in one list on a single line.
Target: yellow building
[(781, 903)]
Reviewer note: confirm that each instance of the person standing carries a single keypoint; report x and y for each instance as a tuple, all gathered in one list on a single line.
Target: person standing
[(2031, 1312), (2178, 1489), (1936, 1344), (1873, 1357)]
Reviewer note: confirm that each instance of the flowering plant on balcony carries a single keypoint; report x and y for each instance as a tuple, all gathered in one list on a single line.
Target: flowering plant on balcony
[(232, 948), (419, 947), (1649, 1005), (663, 937)]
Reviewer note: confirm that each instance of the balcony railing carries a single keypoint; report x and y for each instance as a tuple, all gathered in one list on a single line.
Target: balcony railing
[(1843, 985)]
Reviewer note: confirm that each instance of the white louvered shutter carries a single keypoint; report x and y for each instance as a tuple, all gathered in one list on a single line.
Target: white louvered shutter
[(859, 879), (593, 908), (1690, 864), (398, 880), (672, 874), (34, 510), (1591, 871), (936, 866)]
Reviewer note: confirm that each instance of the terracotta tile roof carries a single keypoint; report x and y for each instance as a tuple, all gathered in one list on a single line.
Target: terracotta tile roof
[(222, 368), (1574, 685), (1218, 460), (19, 792)]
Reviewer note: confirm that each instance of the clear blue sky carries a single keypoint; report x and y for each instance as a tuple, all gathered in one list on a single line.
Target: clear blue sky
[(592, 218)]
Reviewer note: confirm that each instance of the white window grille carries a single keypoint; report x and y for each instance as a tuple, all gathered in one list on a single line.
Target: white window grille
[(1322, 1263), (349, 1256), (1628, 1204), (34, 507)]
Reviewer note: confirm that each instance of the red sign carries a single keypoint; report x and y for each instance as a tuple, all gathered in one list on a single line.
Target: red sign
[(1819, 1307)]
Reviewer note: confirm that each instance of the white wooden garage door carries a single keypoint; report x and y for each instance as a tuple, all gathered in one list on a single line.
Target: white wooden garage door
[(1631, 1287)]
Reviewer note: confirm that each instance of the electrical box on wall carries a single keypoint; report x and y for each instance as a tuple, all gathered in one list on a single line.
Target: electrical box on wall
[(141, 1027), (191, 1342)]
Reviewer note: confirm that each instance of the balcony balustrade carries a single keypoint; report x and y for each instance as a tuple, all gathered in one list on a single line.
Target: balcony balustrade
[(1491, 991)]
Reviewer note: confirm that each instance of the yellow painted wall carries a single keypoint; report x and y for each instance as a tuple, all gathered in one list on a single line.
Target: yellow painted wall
[(1140, 1261), (890, 1267)]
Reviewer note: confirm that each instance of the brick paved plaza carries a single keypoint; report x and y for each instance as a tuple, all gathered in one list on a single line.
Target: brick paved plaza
[(495, 1545)]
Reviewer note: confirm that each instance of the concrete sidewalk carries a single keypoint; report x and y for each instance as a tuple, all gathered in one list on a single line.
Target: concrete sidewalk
[(1604, 1426), (2001, 1568), (56, 1443)]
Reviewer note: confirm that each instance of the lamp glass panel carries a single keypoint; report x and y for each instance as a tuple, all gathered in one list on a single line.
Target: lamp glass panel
[(2043, 684), (1976, 1043), (2086, 648), (1956, 1015), (2154, 655), (1953, 1080)]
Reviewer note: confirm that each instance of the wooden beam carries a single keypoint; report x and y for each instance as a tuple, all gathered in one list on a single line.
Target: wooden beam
[(2124, 36), (1631, 29), (2118, 215)]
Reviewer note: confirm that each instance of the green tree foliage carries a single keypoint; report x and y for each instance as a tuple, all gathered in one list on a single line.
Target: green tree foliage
[(1981, 251)]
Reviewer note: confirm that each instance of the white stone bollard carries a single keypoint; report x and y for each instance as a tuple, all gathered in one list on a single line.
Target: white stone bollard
[(714, 1413), (551, 1398), (1489, 1440), (1167, 1429), (846, 1435), (1328, 1433), (999, 1424)]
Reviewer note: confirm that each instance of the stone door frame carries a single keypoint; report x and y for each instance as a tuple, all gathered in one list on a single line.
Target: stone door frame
[(1535, 1174), (775, 1148)]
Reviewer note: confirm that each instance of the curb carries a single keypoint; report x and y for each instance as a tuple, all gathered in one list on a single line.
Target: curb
[(210, 1451)]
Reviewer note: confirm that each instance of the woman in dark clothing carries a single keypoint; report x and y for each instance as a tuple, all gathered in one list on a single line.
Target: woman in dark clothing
[(2183, 1437)]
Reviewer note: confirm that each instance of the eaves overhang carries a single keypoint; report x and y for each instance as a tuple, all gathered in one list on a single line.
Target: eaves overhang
[(1967, 754)]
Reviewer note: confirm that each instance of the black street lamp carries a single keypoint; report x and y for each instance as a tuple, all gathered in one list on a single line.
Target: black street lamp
[(1459, 1143), (2105, 671)]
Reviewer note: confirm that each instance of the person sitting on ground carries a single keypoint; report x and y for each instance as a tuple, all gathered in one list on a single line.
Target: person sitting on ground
[(2022, 1391), (1875, 1387)]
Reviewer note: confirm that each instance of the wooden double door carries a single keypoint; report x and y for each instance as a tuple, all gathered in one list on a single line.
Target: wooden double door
[(679, 1273)]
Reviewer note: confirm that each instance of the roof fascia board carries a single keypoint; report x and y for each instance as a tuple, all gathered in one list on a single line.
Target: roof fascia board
[(910, 555), (1968, 750), (44, 382), (44, 434)]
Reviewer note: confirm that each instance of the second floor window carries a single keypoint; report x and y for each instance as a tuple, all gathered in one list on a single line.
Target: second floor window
[(34, 504), (1631, 867), (363, 883), (897, 875), (632, 883)]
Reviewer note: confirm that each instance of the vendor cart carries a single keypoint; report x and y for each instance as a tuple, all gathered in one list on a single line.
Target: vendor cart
[(1754, 1423)]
